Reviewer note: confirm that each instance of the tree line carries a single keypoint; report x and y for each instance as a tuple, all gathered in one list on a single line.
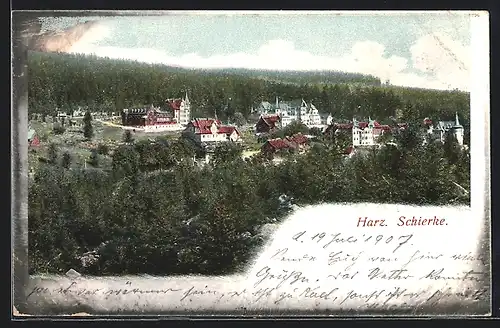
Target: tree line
[(66, 82), (154, 211)]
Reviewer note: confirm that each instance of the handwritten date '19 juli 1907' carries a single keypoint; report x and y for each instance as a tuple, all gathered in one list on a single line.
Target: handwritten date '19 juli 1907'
[(328, 239)]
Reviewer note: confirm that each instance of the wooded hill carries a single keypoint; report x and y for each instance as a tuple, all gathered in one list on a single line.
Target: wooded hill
[(67, 81)]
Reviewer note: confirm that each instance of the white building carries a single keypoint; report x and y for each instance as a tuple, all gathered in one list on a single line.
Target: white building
[(367, 133), (292, 111), (442, 128), (182, 110), (211, 131)]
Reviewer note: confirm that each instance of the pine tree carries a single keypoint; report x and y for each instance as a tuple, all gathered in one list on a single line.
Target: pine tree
[(52, 153), (127, 136), (88, 130), (451, 148), (94, 159), (66, 160)]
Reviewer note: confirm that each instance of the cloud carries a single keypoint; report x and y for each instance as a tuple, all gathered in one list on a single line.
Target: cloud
[(448, 60), (437, 61), (79, 37)]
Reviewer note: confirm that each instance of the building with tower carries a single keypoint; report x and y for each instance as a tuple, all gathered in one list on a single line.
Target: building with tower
[(155, 119), (442, 128), (290, 111), (182, 109)]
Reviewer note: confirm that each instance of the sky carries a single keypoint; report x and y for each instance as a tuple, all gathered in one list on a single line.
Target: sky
[(426, 50)]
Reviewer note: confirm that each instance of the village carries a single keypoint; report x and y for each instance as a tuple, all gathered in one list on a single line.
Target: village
[(175, 121)]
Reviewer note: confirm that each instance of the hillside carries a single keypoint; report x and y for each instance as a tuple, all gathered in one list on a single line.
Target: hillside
[(67, 81)]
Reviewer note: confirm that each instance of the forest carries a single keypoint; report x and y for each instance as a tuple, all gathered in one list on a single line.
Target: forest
[(154, 211), (65, 81)]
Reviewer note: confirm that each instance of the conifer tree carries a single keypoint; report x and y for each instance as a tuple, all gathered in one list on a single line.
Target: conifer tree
[(66, 160), (88, 130)]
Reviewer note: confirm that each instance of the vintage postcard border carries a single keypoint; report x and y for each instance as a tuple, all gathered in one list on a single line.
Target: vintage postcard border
[(480, 171)]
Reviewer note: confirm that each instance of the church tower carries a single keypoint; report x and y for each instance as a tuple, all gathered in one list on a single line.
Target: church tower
[(185, 111), (458, 131)]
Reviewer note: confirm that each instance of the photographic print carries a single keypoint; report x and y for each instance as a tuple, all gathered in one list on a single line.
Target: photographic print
[(264, 163)]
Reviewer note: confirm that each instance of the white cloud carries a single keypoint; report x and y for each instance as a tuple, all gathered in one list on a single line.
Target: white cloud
[(448, 60), (441, 61)]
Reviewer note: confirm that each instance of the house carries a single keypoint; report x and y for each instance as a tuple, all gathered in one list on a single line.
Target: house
[(267, 123), (295, 143), (33, 140), (264, 107), (367, 133), (155, 119), (151, 119), (442, 128), (301, 111), (181, 109), (363, 133), (204, 130), (290, 111)]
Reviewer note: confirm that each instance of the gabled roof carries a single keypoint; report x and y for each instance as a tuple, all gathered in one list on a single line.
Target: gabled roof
[(445, 125), (362, 125), (298, 138), (383, 128), (175, 104), (270, 120), (227, 130), (288, 142), (137, 111), (203, 126)]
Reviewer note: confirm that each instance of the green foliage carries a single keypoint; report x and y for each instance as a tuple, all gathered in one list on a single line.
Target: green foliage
[(69, 81), (58, 128), (94, 159), (154, 211), (66, 160), (52, 153), (239, 119), (227, 152), (102, 149), (88, 130), (158, 213), (451, 148), (289, 130), (127, 136)]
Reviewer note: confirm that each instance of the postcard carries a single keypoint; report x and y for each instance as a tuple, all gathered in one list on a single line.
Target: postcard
[(265, 163)]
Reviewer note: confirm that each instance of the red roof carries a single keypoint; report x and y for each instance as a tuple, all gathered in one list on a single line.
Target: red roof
[(278, 143), (288, 142), (349, 150), (427, 121), (299, 139), (202, 126), (175, 104), (227, 129), (270, 120), (383, 127), (35, 141)]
